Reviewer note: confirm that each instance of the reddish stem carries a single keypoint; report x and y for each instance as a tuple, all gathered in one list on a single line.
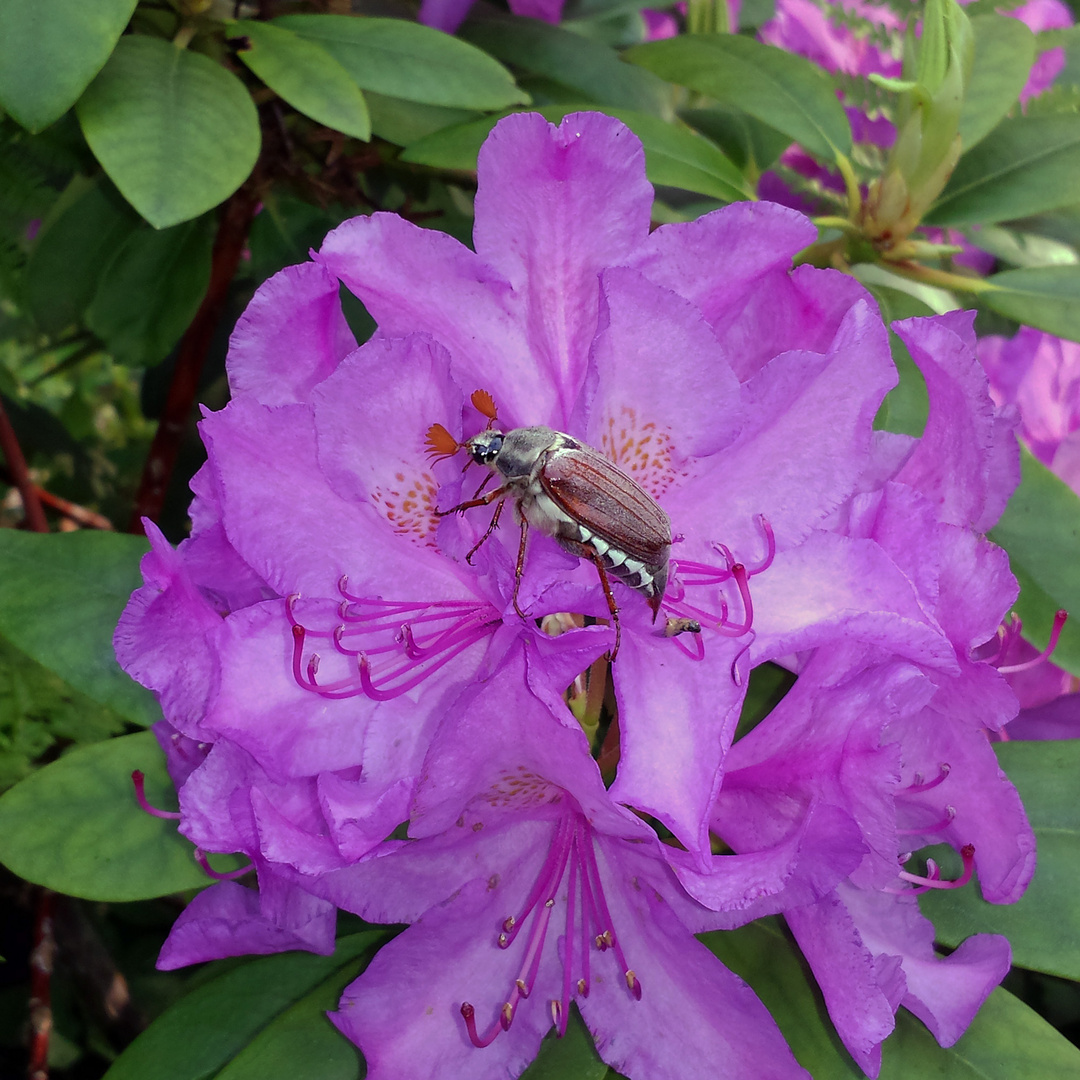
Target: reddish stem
[(236, 219), (41, 967), (9, 444)]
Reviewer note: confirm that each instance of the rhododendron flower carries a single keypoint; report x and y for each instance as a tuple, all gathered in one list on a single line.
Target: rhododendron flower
[(902, 749), (869, 741), (529, 889), (345, 656), (1039, 375)]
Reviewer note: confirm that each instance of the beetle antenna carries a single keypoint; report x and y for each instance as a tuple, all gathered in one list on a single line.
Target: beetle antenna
[(440, 443), (484, 404)]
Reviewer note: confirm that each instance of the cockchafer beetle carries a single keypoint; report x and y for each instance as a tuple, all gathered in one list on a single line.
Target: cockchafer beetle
[(572, 493)]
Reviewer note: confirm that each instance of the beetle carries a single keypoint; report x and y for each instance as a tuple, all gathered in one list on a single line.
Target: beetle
[(572, 493)]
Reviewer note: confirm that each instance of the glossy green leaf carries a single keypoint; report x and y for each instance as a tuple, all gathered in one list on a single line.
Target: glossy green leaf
[(403, 122), (1024, 166), (151, 289), (39, 712), (765, 957), (573, 1057), (264, 1019), (1004, 53), (907, 405), (674, 155), (60, 598), (1043, 927), (1040, 529), (1044, 296), (750, 144), (406, 60), (783, 90), (71, 254), (305, 75), (74, 826), (176, 132), (51, 49), (1006, 1040), (587, 67)]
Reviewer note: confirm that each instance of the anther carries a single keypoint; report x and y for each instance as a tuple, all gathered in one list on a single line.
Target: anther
[(506, 1016), (633, 983)]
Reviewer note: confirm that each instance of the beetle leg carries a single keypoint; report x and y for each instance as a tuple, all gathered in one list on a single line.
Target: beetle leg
[(612, 606), (520, 564), (489, 498), (490, 529)]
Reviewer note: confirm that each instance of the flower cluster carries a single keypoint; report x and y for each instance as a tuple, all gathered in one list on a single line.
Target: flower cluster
[(392, 710)]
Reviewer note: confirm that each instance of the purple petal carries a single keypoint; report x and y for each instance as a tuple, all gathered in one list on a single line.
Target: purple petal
[(649, 419), (403, 1011), (805, 444), (160, 640), (832, 588), (227, 920), (861, 990), (371, 417), (445, 15), (944, 992), (695, 1020), (677, 717), (824, 848), (967, 461), (290, 337), (988, 811), (554, 206), (290, 526), (415, 280)]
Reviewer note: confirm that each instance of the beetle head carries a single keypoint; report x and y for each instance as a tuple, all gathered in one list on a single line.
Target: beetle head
[(485, 447)]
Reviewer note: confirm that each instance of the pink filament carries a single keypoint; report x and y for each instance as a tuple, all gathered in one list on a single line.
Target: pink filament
[(932, 880), (930, 830), (570, 857), (919, 784), (388, 631), (1059, 621), (200, 858), (139, 780), (689, 574)]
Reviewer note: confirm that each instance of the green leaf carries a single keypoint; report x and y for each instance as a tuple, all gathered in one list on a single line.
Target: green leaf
[(176, 132), (306, 76), (402, 122), (783, 90), (1024, 166), (751, 145), (1043, 927), (75, 826), (71, 254), (674, 155), (406, 60), (1040, 530), (51, 49), (38, 711), (264, 1019), (1044, 296), (151, 289), (573, 1057), (907, 405), (1006, 1040), (587, 67), (1004, 53), (60, 598)]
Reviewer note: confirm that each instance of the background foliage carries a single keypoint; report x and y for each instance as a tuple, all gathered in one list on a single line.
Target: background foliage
[(158, 161)]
